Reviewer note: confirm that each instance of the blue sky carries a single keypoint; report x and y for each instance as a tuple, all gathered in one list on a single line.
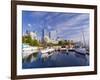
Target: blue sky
[(67, 25)]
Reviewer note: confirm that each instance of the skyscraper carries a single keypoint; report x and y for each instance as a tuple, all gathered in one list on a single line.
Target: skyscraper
[(53, 35), (43, 34)]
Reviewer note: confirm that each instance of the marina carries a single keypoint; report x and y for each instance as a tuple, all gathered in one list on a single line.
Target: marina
[(56, 58), (50, 44)]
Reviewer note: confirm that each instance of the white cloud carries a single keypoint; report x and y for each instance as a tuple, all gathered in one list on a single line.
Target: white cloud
[(29, 25), (75, 20)]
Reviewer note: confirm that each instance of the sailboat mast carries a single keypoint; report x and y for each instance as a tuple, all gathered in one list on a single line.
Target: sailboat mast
[(83, 38)]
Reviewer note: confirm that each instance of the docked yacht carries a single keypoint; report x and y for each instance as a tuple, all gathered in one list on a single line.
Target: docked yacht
[(28, 50)]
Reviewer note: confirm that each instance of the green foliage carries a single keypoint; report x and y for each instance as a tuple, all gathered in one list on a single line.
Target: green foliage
[(50, 44), (34, 43), (30, 41), (65, 42), (26, 39), (61, 43)]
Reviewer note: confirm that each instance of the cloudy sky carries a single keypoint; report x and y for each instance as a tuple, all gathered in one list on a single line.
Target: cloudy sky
[(67, 25)]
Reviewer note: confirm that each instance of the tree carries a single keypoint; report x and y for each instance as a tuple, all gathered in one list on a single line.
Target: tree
[(61, 42), (23, 39), (34, 43), (26, 39), (30, 41)]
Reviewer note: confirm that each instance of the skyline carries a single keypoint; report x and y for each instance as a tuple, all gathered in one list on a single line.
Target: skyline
[(67, 25)]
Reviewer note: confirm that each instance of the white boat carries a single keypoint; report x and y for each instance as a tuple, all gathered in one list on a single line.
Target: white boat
[(46, 51), (28, 50), (81, 51)]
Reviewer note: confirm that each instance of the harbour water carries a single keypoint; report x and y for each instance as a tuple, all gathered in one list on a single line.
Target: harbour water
[(58, 59)]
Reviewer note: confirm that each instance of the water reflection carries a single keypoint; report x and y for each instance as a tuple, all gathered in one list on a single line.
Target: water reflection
[(57, 59)]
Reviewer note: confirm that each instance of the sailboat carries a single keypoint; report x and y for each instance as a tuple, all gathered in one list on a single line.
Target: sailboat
[(83, 50)]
